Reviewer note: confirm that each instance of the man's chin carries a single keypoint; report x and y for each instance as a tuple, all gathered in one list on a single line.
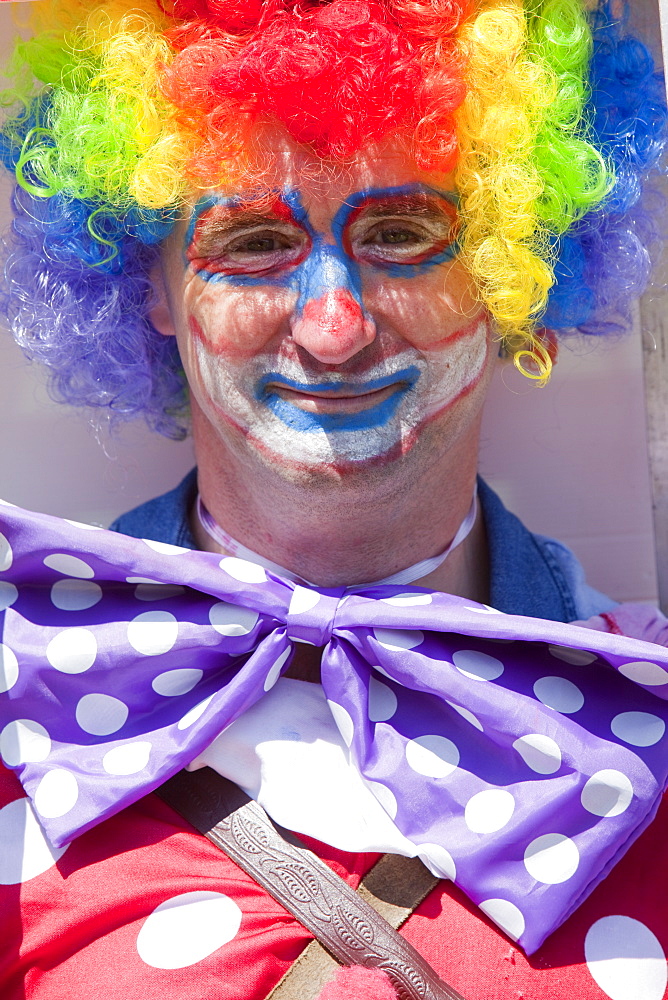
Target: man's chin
[(330, 463)]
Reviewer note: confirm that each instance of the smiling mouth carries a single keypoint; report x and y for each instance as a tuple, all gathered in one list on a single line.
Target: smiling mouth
[(335, 400)]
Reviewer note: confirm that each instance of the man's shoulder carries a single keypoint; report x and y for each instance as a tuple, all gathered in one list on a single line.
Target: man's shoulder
[(588, 600), (532, 574), (164, 518)]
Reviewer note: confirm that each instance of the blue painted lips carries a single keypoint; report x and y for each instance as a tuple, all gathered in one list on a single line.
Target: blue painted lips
[(300, 420)]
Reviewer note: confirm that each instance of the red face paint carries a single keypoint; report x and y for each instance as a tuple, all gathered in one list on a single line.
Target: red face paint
[(335, 313)]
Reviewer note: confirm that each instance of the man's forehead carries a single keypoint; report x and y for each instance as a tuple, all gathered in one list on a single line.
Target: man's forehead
[(280, 165)]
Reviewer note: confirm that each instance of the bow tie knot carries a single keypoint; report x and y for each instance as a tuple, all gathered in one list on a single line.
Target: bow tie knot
[(311, 614)]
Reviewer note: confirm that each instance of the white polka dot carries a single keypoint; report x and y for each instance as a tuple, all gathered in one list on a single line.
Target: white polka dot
[(466, 714), (385, 796), (100, 714), (146, 591), (127, 759), (382, 701), (72, 651), (82, 525), (407, 600), (607, 793), (433, 756), (383, 671), (625, 959), (275, 671), (489, 810), (505, 915), (193, 714), (69, 566), (153, 632), (25, 852), (6, 503), (484, 610), (164, 548), (560, 694), (539, 752), (242, 570), (644, 672), (397, 638), (176, 682), (6, 554), (9, 668), (478, 666), (230, 619), (188, 928), (23, 741), (640, 729), (75, 595), (343, 721), (56, 793), (8, 594), (552, 858), (303, 599), (578, 657), (438, 860)]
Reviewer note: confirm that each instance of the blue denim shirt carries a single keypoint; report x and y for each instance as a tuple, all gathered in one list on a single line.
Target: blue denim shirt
[(529, 574)]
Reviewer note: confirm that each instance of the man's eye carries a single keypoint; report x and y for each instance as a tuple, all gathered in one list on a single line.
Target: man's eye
[(392, 236), (397, 242), (403, 239), (265, 243), (258, 251), (396, 236)]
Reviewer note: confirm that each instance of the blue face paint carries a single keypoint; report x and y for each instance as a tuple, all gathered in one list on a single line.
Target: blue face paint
[(301, 420), (203, 205), (328, 267)]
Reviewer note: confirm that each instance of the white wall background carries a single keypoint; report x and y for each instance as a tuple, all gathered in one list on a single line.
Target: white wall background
[(570, 459)]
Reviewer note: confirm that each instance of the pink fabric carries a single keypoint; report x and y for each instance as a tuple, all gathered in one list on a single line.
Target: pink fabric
[(638, 621), (357, 983)]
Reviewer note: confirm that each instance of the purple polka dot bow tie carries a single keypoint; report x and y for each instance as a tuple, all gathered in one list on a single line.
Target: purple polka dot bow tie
[(522, 757)]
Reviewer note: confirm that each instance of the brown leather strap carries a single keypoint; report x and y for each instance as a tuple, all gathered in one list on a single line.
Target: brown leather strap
[(342, 920), (307, 975), (394, 887)]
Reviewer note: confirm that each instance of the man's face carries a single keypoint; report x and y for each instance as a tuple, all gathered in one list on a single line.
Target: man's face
[(328, 323)]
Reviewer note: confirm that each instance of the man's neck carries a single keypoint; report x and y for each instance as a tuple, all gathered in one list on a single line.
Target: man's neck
[(343, 529)]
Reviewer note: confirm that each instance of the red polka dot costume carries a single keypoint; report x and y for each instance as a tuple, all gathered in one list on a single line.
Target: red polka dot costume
[(142, 906)]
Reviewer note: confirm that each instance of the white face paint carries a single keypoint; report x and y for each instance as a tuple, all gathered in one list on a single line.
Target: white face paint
[(308, 417)]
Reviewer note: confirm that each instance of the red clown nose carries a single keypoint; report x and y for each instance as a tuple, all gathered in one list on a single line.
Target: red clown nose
[(333, 328)]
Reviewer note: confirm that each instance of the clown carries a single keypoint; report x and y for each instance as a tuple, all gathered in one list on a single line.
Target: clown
[(306, 232)]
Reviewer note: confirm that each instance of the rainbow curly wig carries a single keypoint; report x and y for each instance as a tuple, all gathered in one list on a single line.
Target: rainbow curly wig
[(549, 115)]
